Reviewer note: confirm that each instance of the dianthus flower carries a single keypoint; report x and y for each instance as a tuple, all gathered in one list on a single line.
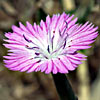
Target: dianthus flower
[(49, 47)]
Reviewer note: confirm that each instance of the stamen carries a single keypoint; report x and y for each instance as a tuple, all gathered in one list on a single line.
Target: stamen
[(64, 44), (48, 49), (46, 57), (31, 47), (63, 35), (38, 61), (26, 39), (65, 28), (52, 41)]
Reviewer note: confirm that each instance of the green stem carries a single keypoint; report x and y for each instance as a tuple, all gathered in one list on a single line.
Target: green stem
[(63, 87)]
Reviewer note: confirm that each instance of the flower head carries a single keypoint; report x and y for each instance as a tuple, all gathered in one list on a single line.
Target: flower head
[(49, 47)]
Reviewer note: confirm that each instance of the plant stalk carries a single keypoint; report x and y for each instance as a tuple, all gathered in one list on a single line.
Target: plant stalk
[(63, 87)]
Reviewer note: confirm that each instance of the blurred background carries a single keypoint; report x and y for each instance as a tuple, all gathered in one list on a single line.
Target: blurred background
[(85, 80)]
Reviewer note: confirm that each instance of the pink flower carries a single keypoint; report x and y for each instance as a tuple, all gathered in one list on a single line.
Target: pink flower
[(49, 47)]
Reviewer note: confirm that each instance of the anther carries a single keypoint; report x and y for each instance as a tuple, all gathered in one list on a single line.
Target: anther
[(27, 46), (53, 31), (31, 58), (37, 53), (59, 58)]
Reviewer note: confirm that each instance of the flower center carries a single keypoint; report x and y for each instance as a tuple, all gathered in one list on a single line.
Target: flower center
[(51, 51)]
